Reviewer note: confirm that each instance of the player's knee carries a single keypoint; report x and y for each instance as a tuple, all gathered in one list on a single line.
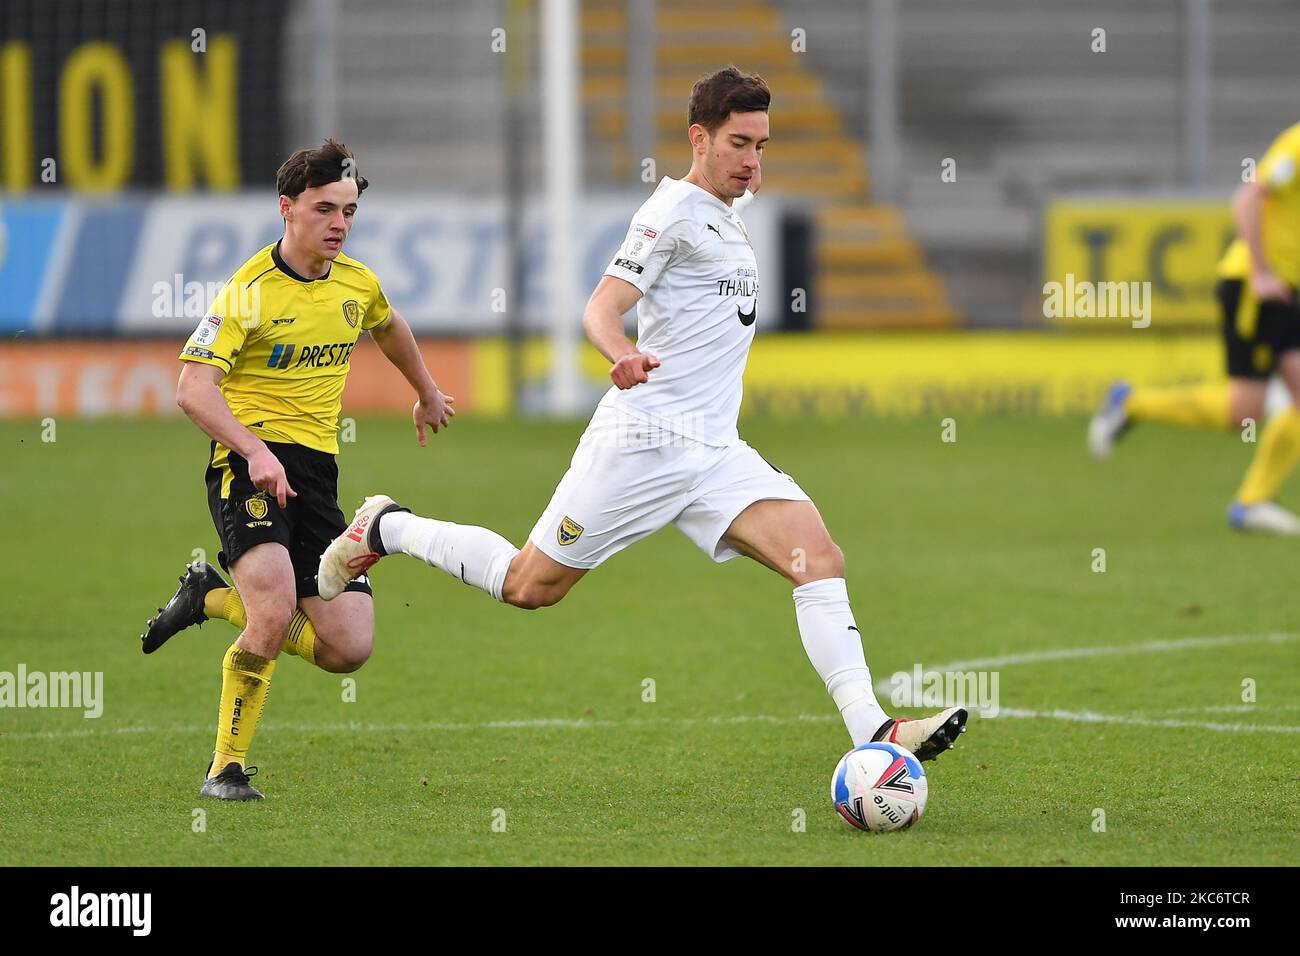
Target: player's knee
[(824, 561), (346, 659), (268, 622), (344, 645), (830, 560)]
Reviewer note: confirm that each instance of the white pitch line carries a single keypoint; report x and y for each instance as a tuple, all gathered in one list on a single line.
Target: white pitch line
[(1088, 717), (547, 723), (884, 685), (1228, 709), (561, 723)]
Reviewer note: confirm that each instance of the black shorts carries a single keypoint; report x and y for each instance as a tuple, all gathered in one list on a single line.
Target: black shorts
[(246, 517), (1256, 334)]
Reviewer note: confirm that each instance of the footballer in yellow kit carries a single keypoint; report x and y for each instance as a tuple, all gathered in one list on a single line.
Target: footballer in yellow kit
[(1258, 285), (263, 378)]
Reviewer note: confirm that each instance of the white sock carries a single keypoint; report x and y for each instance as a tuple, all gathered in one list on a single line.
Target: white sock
[(834, 645), (474, 555)]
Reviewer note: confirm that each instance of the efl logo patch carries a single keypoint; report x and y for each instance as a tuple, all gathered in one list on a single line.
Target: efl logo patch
[(352, 312), (640, 241), (206, 333), (569, 531), (256, 508)]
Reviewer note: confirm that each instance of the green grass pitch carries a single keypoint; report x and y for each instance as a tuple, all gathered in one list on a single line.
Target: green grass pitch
[(956, 552)]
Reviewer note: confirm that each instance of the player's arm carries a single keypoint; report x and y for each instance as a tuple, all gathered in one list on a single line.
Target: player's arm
[(602, 320), (648, 247), (1276, 173), (1248, 214), (199, 396), (396, 341)]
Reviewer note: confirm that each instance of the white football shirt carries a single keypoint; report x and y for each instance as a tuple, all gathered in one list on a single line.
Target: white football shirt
[(688, 253)]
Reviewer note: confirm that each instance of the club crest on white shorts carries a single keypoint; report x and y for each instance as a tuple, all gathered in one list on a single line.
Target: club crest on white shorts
[(569, 531)]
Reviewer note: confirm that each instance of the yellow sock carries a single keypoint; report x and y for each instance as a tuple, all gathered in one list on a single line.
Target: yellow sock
[(1275, 458), (245, 681), (225, 604), (1191, 406), (301, 639)]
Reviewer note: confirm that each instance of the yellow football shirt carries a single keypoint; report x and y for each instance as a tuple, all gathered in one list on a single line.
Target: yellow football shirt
[(285, 344), (1279, 174)]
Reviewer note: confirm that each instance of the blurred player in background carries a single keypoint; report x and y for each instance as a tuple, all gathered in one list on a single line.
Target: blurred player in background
[(1258, 280), (263, 378), (662, 447)]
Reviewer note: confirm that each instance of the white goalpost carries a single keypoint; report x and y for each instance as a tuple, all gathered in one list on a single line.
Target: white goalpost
[(562, 159)]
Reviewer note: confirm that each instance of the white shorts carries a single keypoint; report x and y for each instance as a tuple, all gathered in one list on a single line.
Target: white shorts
[(627, 480)]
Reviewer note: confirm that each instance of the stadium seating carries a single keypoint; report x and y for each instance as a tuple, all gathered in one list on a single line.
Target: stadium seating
[(869, 272), (1027, 110)]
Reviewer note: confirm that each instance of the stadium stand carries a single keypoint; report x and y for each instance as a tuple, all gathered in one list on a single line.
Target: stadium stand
[(869, 271)]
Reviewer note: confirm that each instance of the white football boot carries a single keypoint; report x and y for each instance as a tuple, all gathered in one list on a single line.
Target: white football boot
[(353, 552), (927, 737), (1110, 422), (1265, 516)]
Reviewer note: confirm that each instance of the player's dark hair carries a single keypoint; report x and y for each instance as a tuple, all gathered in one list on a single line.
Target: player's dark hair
[(327, 163), (714, 98)]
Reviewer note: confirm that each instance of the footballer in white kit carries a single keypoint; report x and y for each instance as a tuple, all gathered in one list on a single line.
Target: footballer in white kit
[(662, 447), (667, 451)]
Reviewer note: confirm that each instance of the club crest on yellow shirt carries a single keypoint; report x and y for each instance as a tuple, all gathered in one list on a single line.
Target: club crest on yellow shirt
[(256, 508), (352, 312), (569, 531)]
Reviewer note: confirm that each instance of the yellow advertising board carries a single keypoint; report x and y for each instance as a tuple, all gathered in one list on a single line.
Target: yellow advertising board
[(1155, 259), (863, 374), (790, 377)]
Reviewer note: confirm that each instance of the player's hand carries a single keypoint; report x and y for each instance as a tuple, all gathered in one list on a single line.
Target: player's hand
[(633, 369), (435, 411), (1267, 287), (267, 474)]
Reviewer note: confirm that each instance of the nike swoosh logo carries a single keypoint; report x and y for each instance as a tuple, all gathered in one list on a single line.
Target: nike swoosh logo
[(747, 318)]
